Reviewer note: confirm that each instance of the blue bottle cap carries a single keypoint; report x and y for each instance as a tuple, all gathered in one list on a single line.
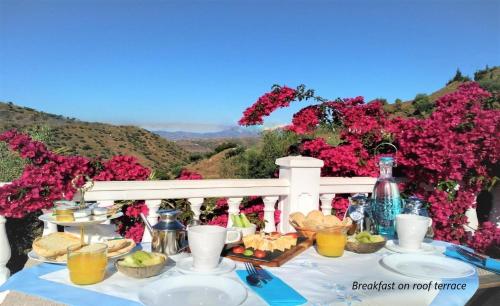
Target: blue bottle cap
[(386, 159)]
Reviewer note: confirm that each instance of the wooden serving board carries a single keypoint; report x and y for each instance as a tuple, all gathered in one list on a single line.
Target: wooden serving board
[(273, 259)]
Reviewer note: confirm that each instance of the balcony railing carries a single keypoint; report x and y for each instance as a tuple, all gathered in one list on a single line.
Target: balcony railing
[(298, 188)]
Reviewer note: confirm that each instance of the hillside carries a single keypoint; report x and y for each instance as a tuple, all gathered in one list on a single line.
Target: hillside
[(96, 139), (210, 168), (488, 78), (208, 145)]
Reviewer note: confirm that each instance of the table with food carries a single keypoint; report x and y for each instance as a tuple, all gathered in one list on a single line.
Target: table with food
[(326, 261)]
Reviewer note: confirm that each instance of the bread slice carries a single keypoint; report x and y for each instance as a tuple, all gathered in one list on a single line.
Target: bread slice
[(117, 244), (126, 248), (55, 244)]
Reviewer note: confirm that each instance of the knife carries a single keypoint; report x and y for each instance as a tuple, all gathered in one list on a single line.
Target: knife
[(471, 255)]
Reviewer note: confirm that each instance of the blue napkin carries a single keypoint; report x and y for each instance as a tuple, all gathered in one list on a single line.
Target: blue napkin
[(276, 292), (491, 264)]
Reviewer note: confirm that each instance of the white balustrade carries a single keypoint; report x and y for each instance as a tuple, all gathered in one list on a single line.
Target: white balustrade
[(303, 175), (196, 204), (326, 202), (233, 208), (298, 188), (153, 206), (343, 185), (270, 223)]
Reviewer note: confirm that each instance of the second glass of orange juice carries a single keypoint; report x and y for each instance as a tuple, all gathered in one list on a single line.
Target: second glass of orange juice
[(331, 241), (87, 264)]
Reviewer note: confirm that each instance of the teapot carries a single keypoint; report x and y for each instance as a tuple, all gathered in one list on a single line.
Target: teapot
[(168, 235)]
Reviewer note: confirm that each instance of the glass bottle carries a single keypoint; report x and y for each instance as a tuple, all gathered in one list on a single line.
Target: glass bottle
[(386, 204)]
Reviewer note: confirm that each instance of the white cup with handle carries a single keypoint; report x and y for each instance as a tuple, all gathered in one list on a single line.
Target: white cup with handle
[(206, 243), (411, 230)]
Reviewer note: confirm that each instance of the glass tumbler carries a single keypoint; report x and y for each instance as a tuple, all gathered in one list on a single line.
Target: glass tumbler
[(331, 241), (87, 264)]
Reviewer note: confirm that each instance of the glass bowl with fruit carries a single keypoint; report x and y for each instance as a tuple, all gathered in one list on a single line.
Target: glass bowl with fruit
[(141, 264), (364, 243)]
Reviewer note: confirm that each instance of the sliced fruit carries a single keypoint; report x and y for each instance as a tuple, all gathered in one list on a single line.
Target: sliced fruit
[(245, 221), (260, 254), (248, 252), (238, 249), (237, 221), (376, 238), (294, 235)]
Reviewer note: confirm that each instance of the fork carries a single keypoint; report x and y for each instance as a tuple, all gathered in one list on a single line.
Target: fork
[(253, 273), (262, 272), (252, 278)]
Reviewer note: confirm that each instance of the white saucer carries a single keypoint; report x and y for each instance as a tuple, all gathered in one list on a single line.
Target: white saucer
[(189, 290), (425, 248), (185, 266)]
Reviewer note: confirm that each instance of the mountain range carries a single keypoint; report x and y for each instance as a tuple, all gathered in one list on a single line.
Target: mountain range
[(232, 132)]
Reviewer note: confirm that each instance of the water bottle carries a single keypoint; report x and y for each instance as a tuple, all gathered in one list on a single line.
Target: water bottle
[(386, 203)]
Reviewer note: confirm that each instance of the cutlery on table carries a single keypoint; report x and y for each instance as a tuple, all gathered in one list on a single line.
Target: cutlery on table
[(470, 255), (253, 277), (263, 273)]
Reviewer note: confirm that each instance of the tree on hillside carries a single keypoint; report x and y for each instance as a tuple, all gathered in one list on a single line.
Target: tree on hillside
[(459, 77), (489, 78), (423, 105), (398, 103)]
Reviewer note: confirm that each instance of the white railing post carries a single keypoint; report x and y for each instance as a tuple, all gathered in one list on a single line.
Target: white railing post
[(196, 204), (233, 208), (153, 206), (326, 202), (270, 224), (4, 252), (303, 173)]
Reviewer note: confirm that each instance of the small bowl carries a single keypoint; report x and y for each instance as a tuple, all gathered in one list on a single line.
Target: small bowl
[(364, 248), (246, 231), (142, 272)]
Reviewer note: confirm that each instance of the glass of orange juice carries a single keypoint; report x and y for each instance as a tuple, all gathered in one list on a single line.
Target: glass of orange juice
[(331, 241), (87, 264)]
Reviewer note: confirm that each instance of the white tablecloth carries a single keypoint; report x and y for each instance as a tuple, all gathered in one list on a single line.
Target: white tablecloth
[(321, 280)]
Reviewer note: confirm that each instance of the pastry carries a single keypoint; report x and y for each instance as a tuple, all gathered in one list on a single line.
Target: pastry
[(54, 244)]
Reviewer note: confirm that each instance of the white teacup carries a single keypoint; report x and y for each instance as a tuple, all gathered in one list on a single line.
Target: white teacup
[(206, 243), (411, 230)]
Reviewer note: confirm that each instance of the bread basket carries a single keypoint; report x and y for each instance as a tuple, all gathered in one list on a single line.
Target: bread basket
[(306, 232)]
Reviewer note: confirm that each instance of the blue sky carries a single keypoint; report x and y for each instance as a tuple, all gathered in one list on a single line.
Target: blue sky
[(196, 65)]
